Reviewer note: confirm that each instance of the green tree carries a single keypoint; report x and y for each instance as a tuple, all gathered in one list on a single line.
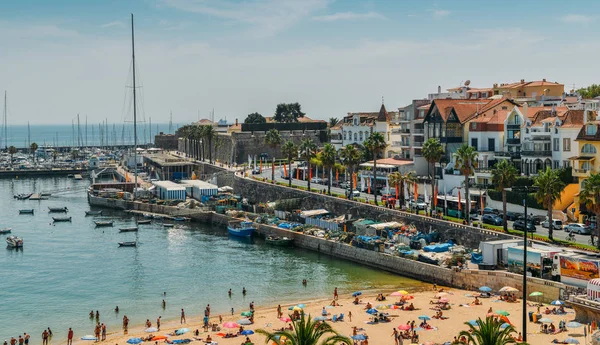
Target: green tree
[(288, 112), (186, 132), (488, 332), (333, 121), (33, 147), (289, 150), (504, 175), (273, 139), (376, 144), (11, 151), (590, 91), (432, 152), (308, 150), (350, 157), (255, 118), (590, 197), (210, 134), (398, 179), (549, 188), (307, 332), (466, 162), (327, 156)]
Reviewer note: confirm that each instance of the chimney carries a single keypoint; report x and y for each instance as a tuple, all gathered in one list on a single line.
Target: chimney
[(522, 81), (495, 85), (236, 122), (439, 89), (544, 80), (525, 108)]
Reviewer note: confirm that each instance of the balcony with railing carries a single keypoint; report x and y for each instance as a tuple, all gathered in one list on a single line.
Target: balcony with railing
[(538, 153), (507, 154), (396, 144), (513, 141), (583, 172), (542, 134), (418, 143), (513, 127)]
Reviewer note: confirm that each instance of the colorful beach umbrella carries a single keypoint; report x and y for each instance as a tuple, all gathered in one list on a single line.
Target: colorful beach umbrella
[(230, 325), (444, 300), (502, 312), (508, 289), (397, 293), (557, 302), (359, 337), (292, 307), (244, 322), (535, 294), (473, 323), (301, 305), (372, 311), (297, 308), (504, 325), (151, 330), (247, 332), (246, 313), (404, 327), (485, 289), (574, 324), (134, 341), (545, 320), (357, 293), (285, 319), (424, 317)]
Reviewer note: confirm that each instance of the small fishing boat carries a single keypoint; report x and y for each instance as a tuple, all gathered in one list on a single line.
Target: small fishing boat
[(5, 231), (148, 215), (14, 242), (279, 241), (241, 228), (128, 244), (168, 225), (23, 196), (45, 194), (144, 221), (179, 219), (26, 211), (58, 209), (61, 219), (157, 217), (100, 223), (70, 175), (93, 213), (129, 229)]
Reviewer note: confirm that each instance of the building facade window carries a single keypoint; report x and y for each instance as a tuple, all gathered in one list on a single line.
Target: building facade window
[(355, 136), (356, 122), (556, 164), (555, 144), (345, 135), (491, 144), (474, 143), (566, 164), (567, 144), (361, 136), (590, 129), (350, 135), (588, 148)]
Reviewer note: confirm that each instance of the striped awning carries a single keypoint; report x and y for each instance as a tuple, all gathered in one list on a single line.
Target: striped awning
[(582, 158)]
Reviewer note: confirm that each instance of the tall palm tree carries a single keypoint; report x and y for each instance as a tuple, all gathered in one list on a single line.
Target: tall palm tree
[(11, 151), (549, 188), (273, 139), (306, 332), (466, 161), (290, 151), (333, 121), (489, 332), (590, 197), (398, 179), (308, 150), (350, 157), (328, 155), (432, 152), (376, 144), (210, 134), (186, 132), (33, 147), (504, 175)]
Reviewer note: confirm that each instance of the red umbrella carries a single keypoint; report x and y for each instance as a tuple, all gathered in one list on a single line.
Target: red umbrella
[(404, 327), (285, 319)]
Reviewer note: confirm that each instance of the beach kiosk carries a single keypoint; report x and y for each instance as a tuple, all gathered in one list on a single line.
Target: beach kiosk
[(593, 289)]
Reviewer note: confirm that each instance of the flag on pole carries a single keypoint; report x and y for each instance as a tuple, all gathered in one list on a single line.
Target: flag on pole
[(459, 202), (445, 198), (337, 175), (354, 180), (260, 168), (285, 174), (435, 196), (416, 192), (368, 186), (397, 191), (297, 173), (405, 191), (310, 174), (482, 204)]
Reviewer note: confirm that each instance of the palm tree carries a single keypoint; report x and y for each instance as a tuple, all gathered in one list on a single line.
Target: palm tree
[(273, 139), (590, 197), (307, 150), (488, 332), (333, 121), (350, 157), (289, 150), (466, 161), (328, 155), (549, 188), (398, 179), (186, 132), (376, 144), (433, 152), (306, 332), (11, 151), (33, 147), (210, 134), (504, 175)]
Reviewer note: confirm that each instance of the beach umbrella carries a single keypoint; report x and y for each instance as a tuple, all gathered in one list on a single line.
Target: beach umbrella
[(404, 327), (444, 300), (396, 293), (571, 341), (244, 322), (424, 317), (246, 313), (407, 297), (545, 320), (182, 331), (372, 311), (505, 319), (301, 305), (159, 337), (247, 332), (508, 289), (485, 289), (285, 319), (504, 325), (535, 294), (320, 318), (574, 324), (502, 312), (292, 307), (357, 293), (359, 337), (88, 337), (382, 306), (151, 329), (297, 308), (134, 341), (230, 325), (441, 294), (557, 302), (473, 322)]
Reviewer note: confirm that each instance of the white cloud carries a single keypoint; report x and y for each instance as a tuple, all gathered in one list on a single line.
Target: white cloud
[(35, 31), (265, 17), (438, 13), (577, 19), (115, 24), (348, 16)]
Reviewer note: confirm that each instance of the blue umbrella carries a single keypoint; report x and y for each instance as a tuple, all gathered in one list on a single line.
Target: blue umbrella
[(301, 305), (372, 311), (485, 289), (182, 331), (504, 325), (473, 322), (134, 341), (359, 337), (291, 307), (247, 332), (574, 324), (357, 293), (424, 317), (320, 318), (557, 302)]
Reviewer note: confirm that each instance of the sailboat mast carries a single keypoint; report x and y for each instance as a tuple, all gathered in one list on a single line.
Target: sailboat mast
[(5, 126), (135, 174)]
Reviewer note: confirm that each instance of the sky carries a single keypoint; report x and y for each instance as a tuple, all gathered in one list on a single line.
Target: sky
[(66, 57)]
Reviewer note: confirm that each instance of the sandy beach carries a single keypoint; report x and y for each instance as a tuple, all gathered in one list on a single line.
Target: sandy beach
[(462, 310)]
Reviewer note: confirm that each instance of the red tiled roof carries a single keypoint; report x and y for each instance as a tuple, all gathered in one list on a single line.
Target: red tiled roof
[(463, 108), (496, 118)]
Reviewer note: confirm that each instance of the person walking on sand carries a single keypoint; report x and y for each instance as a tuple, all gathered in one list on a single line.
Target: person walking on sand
[(44, 337), (97, 332), (182, 320), (26, 337), (158, 323), (350, 316), (395, 335), (279, 313), (335, 294), (103, 331), (70, 337)]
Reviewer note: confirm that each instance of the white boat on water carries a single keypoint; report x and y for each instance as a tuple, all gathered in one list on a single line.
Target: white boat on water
[(14, 242)]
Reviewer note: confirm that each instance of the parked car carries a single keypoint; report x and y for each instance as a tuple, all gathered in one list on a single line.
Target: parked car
[(535, 219), (419, 205), (511, 216), (317, 180), (387, 197), (489, 210), (520, 225), (556, 224), (345, 185), (256, 171), (578, 228), (355, 193), (491, 219)]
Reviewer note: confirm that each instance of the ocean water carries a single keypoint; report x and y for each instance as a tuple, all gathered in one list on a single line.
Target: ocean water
[(67, 269), (72, 135)]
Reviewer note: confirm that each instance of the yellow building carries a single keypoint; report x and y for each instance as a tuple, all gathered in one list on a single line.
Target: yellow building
[(588, 158), (529, 89)]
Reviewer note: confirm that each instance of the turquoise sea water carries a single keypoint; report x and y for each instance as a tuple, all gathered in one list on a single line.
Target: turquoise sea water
[(67, 269)]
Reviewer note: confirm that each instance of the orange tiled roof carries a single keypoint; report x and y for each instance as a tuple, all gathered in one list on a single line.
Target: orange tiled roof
[(527, 83), (463, 108), (493, 118)]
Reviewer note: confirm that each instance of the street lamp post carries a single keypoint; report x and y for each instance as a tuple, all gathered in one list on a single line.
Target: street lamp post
[(525, 274)]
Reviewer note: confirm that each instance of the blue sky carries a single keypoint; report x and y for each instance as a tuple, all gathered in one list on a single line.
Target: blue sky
[(63, 57)]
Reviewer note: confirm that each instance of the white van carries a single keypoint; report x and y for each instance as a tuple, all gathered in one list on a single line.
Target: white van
[(556, 224)]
